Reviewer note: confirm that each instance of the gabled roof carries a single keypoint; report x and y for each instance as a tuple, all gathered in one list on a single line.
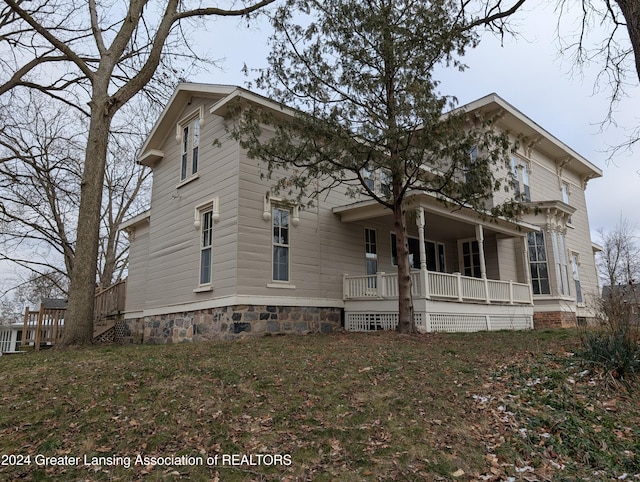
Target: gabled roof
[(533, 135), (151, 149), (222, 95), (490, 105)]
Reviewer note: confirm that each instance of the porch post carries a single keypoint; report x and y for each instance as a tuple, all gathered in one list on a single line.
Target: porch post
[(480, 239), (526, 266), (483, 264), (423, 253)]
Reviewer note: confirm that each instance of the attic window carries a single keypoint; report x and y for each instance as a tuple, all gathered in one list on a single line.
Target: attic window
[(188, 135)]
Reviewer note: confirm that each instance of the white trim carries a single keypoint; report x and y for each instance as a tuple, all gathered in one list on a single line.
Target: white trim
[(439, 269), (212, 205), (187, 180), (203, 288), (281, 285), (237, 300), (134, 221)]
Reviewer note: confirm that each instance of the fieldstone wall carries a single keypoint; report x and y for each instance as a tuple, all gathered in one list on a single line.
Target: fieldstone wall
[(230, 322)]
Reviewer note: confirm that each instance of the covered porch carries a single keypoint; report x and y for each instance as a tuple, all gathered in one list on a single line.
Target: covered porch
[(468, 274)]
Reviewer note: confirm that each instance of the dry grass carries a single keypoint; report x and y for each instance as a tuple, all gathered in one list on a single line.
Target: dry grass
[(484, 406)]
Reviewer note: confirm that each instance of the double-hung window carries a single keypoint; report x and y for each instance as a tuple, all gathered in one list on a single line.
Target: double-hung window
[(371, 251), (188, 133), (377, 181), (280, 225), (565, 197), (520, 176), (468, 170), (206, 242), (538, 263), (575, 263), (560, 254)]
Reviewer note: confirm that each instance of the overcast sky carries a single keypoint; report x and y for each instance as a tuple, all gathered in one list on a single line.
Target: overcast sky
[(526, 71)]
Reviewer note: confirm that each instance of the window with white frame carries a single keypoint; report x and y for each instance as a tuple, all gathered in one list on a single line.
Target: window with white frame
[(206, 243), (575, 263), (520, 177), (371, 251), (434, 251), (538, 263), (560, 254), (470, 257), (468, 170), (565, 196), (377, 180), (280, 225), (188, 134)]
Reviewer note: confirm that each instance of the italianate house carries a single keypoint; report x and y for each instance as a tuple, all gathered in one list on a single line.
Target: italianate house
[(218, 255)]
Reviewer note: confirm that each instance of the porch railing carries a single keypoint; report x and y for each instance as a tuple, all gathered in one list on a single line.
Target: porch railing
[(444, 286)]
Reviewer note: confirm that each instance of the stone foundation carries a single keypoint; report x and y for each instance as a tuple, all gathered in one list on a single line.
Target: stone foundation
[(230, 322), (554, 319)]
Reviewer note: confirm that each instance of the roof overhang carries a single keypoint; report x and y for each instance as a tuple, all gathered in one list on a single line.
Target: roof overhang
[(370, 209), (151, 151), (508, 117), (132, 223)]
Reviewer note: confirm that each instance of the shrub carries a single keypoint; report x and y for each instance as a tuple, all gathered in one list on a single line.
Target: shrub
[(614, 345)]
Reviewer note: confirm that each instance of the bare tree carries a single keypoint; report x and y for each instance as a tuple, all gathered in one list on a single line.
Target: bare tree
[(618, 47), (40, 174), (619, 261), (95, 58), (40, 169)]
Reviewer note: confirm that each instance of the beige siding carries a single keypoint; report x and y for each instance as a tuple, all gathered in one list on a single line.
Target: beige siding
[(165, 255), (174, 251), (138, 262)]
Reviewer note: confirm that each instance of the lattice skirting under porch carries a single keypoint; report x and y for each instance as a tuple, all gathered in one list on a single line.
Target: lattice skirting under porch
[(447, 322), (107, 337)]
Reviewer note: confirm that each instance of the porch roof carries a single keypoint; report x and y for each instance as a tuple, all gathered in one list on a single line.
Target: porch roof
[(370, 209)]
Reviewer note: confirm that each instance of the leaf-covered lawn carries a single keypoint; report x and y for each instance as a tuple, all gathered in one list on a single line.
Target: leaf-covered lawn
[(484, 406)]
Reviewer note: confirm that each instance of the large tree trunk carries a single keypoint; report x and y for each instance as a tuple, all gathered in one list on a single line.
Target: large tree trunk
[(405, 301), (78, 323), (631, 11)]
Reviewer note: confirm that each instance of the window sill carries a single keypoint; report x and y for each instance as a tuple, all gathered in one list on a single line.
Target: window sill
[(203, 289), (284, 286), (187, 180)]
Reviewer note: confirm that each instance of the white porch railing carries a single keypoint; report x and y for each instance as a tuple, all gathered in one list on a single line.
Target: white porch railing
[(444, 286)]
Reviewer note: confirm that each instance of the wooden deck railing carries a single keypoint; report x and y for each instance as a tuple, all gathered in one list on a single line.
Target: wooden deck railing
[(44, 327), (444, 286), (110, 300)]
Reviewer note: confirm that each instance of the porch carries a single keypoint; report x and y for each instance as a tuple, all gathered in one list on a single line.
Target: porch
[(442, 302)]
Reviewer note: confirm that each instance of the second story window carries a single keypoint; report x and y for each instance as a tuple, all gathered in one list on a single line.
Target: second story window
[(190, 145), (520, 177), (565, 197), (378, 181), (195, 142), (188, 135)]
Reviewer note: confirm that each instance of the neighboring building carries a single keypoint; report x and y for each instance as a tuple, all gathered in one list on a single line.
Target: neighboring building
[(217, 255)]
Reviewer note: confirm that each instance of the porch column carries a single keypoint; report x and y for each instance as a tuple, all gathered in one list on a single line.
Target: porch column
[(424, 276), (527, 266), (480, 239)]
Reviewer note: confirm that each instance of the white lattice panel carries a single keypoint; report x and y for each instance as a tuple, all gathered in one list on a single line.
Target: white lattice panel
[(378, 321), (457, 322)]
